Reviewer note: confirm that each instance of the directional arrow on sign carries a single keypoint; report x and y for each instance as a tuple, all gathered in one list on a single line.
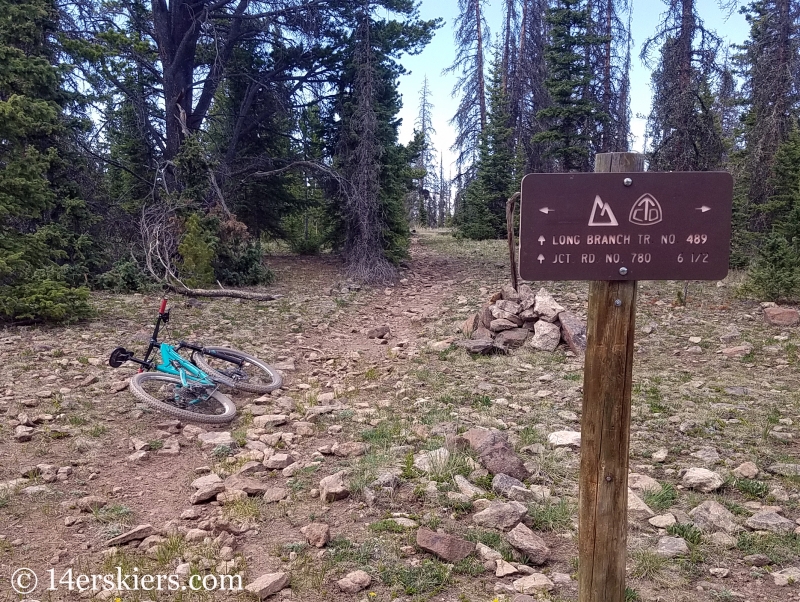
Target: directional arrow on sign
[(703, 208), (546, 210), (540, 258), (541, 240)]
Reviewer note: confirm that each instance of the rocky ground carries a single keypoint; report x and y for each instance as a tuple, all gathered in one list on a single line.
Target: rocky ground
[(400, 467)]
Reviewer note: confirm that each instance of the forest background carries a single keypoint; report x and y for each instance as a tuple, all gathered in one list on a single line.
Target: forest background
[(165, 143)]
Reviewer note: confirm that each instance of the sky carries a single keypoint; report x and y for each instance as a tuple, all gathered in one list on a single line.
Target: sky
[(440, 53)]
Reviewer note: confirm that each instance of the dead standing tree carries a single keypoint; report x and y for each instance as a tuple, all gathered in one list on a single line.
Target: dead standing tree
[(363, 250), (470, 118), (682, 124)]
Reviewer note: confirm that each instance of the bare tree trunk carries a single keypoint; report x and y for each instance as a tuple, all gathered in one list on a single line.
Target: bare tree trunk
[(481, 80)]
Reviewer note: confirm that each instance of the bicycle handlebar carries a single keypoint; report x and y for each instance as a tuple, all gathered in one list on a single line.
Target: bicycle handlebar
[(163, 307)]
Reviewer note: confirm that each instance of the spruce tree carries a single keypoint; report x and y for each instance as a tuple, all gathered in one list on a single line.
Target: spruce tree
[(364, 131), (770, 66), (775, 274), (497, 174), (32, 285), (574, 117)]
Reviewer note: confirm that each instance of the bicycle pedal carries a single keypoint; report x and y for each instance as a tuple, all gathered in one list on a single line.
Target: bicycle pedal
[(119, 356)]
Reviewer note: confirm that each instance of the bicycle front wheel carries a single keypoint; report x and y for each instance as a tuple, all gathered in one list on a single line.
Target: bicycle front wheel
[(253, 375), (195, 403)]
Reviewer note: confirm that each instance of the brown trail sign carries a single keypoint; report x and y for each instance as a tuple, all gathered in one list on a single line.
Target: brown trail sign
[(614, 227), (625, 226)]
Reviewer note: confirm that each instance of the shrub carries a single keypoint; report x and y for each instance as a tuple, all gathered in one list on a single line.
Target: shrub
[(776, 272), (42, 299), (240, 264), (197, 249), (306, 233), (125, 276)]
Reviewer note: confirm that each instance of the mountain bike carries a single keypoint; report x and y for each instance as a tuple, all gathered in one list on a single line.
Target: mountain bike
[(189, 389)]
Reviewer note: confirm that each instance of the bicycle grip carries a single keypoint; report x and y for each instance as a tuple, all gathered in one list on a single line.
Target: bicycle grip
[(163, 307)]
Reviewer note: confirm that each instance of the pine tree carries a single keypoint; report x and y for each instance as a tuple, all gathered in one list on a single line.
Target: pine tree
[(529, 93), (775, 274), (574, 116), (32, 286), (444, 195), (610, 65), (771, 69), (364, 126), (484, 214)]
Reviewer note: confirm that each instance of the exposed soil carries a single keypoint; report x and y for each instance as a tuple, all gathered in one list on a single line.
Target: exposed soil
[(394, 393)]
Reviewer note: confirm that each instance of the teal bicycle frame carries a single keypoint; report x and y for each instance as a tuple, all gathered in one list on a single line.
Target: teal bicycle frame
[(173, 363)]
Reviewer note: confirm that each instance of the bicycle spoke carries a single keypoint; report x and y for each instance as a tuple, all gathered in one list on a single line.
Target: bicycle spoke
[(192, 399)]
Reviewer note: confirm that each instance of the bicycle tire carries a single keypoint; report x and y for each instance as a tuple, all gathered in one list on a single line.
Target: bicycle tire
[(221, 402), (242, 381)]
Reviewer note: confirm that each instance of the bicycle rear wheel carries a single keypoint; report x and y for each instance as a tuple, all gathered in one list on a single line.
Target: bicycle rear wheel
[(253, 375), (194, 403)]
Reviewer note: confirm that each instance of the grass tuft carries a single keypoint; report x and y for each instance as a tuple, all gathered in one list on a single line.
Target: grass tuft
[(778, 548), (648, 565), (690, 533), (387, 526), (494, 540), (752, 489), (429, 577), (546, 516), (661, 500)]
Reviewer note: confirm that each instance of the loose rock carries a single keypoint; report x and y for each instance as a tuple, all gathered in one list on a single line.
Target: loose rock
[(671, 547), (268, 584), (781, 316), (713, 516), (354, 582), (317, 534), (770, 521), (530, 544), (564, 439), (662, 521), (747, 470), (546, 336), (333, 488), (135, 534), (637, 509), (702, 479), (446, 547), (533, 584), (501, 516)]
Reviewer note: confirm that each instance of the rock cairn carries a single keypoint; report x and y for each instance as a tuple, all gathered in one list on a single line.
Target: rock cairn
[(513, 318)]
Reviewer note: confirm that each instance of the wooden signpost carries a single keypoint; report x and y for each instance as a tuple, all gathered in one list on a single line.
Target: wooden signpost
[(606, 426), (679, 238)]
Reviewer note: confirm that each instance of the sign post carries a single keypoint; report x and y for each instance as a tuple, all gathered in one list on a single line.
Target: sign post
[(606, 425), (614, 227)]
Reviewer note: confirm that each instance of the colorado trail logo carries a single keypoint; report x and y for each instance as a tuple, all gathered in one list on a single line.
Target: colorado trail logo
[(603, 217), (646, 211)]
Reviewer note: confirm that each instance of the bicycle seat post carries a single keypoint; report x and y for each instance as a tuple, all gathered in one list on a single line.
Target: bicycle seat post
[(163, 316)]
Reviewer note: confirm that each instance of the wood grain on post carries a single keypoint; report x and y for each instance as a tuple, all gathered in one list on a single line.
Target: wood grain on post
[(605, 426)]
